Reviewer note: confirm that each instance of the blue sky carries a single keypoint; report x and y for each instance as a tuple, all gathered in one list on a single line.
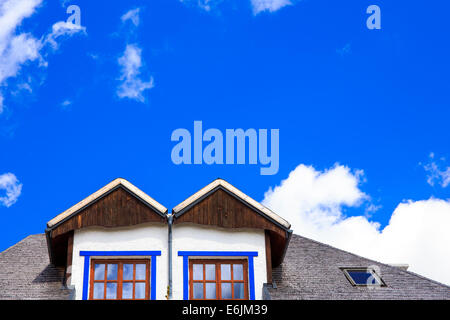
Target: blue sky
[(371, 106)]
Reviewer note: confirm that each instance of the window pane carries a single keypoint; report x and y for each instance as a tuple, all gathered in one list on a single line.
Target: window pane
[(112, 272), (225, 272), (111, 291), (99, 272), (226, 290), (210, 271), (140, 271), (210, 291), (127, 290), (238, 291), (363, 277), (198, 271), (238, 272), (198, 290), (140, 290), (127, 271), (98, 290)]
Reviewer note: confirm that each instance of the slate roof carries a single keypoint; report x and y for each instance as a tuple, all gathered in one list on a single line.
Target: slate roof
[(25, 272), (311, 270)]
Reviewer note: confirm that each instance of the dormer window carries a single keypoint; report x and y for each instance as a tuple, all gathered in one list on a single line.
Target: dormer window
[(363, 277), (120, 279), (218, 279)]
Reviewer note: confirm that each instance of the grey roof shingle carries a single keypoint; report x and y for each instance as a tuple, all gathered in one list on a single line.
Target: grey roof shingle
[(25, 272), (311, 270)]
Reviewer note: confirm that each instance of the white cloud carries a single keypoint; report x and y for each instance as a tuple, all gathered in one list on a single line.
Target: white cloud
[(15, 50), (435, 174), (258, 6), (131, 85), (133, 16), (66, 104), (18, 49), (417, 232), (269, 5), (12, 187), (371, 208), (61, 29), (315, 197), (131, 65), (203, 4), (12, 12)]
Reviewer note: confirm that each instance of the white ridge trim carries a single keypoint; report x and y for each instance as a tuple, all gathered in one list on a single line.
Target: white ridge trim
[(236, 192), (149, 200)]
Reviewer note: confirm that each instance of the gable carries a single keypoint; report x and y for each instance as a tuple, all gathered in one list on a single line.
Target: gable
[(233, 191), (220, 207), (157, 207), (223, 210), (119, 208), (118, 204)]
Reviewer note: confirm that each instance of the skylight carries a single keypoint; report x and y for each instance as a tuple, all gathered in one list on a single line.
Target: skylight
[(363, 277)]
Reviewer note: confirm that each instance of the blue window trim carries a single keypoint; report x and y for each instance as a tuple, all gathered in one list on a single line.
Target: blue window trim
[(251, 268), (87, 257)]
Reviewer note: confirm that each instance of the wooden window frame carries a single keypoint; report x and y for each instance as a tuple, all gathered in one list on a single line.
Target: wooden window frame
[(120, 281), (218, 281)]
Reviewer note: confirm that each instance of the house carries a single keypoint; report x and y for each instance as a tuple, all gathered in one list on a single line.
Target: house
[(119, 243)]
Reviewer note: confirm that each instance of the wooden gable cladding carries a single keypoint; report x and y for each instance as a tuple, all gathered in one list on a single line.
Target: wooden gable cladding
[(223, 210), (118, 208)]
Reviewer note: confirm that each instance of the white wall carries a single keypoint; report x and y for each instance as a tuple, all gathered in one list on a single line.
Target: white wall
[(205, 238), (148, 237)]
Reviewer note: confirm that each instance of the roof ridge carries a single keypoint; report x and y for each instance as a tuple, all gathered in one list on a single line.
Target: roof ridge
[(118, 182), (219, 182), (371, 260)]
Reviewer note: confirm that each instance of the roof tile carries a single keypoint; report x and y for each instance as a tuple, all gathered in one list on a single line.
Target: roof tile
[(25, 272), (311, 270)]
